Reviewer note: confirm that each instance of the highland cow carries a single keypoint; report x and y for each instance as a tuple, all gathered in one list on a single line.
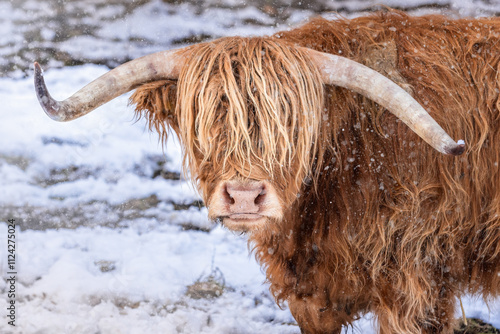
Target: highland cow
[(349, 208)]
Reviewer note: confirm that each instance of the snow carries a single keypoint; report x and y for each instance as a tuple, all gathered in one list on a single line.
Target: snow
[(65, 291), (102, 245), (60, 287)]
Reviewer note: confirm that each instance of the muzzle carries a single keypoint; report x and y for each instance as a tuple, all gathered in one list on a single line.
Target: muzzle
[(243, 205)]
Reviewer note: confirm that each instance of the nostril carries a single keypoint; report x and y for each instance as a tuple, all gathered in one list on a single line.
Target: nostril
[(260, 198), (243, 198), (228, 199)]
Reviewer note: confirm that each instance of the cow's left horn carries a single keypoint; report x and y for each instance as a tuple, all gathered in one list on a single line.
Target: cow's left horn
[(156, 66), (340, 71)]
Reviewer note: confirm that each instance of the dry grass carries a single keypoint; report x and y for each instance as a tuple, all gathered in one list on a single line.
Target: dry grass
[(476, 326)]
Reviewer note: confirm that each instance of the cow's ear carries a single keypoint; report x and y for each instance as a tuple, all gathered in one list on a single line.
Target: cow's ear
[(156, 102)]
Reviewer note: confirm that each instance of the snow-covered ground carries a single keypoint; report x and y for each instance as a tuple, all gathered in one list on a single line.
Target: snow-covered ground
[(110, 237)]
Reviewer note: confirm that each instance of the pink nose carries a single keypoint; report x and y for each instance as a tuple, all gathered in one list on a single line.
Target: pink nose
[(244, 198)]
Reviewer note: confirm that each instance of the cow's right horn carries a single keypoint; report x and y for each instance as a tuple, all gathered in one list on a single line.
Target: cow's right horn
[(124, 78), (340, 71)]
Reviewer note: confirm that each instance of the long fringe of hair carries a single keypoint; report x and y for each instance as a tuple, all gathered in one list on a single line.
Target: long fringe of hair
[(244, 107)]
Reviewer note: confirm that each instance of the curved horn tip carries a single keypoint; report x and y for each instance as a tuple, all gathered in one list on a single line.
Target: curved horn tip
[(457, 149), (48, 104), (38, 72), (40, 88), (37, 66)]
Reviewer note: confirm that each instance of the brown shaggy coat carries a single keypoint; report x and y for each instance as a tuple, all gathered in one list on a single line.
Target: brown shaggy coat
[(384, 223)]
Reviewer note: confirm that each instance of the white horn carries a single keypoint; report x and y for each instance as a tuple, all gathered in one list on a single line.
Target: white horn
[(124, 78), (340, 71)]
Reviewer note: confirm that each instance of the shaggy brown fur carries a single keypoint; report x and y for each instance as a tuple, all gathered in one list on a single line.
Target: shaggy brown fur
[(394, 227)]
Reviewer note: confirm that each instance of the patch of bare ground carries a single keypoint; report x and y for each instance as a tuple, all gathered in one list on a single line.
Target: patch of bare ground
[(96, 213), (475, 326)]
